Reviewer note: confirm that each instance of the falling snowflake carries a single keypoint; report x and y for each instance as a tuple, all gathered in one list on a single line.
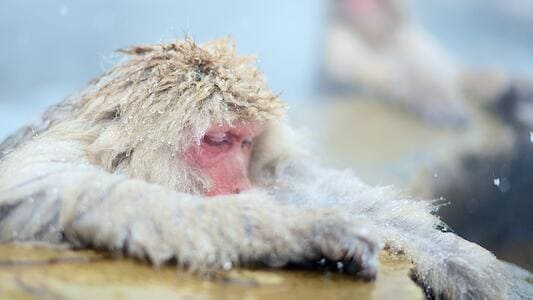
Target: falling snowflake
[(496, 181)]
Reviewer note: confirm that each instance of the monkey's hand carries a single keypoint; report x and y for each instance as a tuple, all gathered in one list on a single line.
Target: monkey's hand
[(222, 232), (445, 264), (313, 238), (89, 207)]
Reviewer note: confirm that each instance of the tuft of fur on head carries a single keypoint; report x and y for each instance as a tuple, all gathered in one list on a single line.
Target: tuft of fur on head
[(148, 109)]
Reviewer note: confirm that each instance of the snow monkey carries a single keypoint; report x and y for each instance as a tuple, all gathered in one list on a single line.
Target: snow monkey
[(182, 153), (373, 47)]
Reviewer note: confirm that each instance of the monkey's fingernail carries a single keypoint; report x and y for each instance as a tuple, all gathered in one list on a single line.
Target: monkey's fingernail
[(367, 274)]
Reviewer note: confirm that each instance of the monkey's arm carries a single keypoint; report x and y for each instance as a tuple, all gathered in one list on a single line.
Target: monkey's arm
[(445, 263), (86, 206)]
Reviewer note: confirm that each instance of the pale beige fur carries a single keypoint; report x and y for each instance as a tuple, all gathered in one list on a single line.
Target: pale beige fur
[(104, 169)]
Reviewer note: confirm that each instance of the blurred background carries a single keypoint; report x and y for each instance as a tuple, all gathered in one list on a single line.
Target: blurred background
[(435, 97)]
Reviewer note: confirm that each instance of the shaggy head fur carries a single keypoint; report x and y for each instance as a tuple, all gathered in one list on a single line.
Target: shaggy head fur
[(63, 180), (162, 98)]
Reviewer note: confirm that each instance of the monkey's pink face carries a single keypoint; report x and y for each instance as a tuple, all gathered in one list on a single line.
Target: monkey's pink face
[(224, 156), (365, 13)]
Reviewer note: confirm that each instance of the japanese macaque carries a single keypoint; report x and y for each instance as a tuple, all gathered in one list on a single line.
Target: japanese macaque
[(181, 153), (371, 47)]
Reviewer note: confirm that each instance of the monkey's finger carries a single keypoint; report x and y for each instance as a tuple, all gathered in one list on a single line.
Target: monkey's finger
[(361, 260)]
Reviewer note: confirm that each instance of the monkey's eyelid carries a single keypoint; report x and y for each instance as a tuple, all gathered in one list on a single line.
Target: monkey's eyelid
[(216, 141), (216, 137)]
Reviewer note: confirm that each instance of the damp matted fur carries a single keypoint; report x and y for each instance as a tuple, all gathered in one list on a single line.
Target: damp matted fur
[(103, 169)]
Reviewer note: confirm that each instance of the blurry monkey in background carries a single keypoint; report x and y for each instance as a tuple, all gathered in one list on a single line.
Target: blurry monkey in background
[(371, 47)]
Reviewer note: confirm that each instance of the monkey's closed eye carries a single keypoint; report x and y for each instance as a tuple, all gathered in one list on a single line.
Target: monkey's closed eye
[(216, 139)]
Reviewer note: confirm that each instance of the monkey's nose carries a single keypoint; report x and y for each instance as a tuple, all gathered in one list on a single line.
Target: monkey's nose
[(242, 186)]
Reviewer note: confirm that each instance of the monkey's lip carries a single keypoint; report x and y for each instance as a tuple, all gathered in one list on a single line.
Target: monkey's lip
[(224, 192)]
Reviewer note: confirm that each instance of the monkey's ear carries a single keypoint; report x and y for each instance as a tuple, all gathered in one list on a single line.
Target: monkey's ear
[(110, 149), (277, 146)]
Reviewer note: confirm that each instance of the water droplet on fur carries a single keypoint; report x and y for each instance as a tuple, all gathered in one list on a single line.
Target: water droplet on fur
[(219, 97), (531, 136), (340, 265), (496, 181)]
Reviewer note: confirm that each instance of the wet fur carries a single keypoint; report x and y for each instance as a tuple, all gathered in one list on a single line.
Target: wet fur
[(103, 169)]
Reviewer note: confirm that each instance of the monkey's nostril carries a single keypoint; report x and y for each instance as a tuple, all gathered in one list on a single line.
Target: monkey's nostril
[(237, 191)]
